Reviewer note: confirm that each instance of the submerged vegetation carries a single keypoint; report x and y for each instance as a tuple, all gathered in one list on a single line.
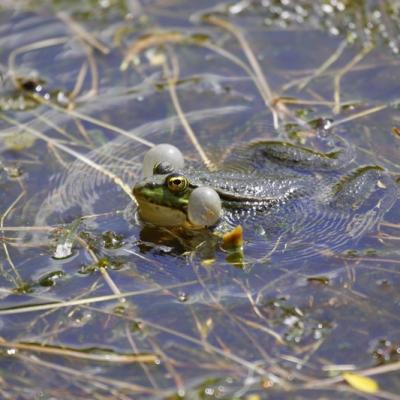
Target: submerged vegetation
[(96, 304), (364, 21)]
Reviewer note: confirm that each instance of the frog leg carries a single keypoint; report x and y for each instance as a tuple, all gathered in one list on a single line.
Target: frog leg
[(273, 155), (367, 193), (305, 158)]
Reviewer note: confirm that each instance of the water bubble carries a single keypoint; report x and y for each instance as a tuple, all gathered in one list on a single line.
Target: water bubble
[(259, 230), (50, 278), (334, 31), (238, 7), (104, 3), (182, 297), (327, 8), (79, 318), (112, 240), (62, 98), (63, 250)]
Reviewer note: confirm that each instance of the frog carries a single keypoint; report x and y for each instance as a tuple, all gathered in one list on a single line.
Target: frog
[(283, 191)]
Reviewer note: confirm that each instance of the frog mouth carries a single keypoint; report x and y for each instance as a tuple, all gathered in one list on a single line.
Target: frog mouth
[(158, 214)]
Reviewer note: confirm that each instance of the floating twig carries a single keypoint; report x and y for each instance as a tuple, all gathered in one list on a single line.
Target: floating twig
[(81, 354)]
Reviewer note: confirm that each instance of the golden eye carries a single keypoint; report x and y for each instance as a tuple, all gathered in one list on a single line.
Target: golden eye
[(177, 183)]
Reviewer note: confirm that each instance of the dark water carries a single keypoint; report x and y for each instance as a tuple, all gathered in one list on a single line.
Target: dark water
[(73, 122)]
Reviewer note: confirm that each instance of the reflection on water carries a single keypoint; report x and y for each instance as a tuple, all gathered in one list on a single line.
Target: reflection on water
[(318, 289)]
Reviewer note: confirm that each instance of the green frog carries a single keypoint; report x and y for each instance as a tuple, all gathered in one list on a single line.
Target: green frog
[(276, 190)]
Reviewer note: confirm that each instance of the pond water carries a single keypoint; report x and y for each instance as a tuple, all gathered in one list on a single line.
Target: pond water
[(97, 304)]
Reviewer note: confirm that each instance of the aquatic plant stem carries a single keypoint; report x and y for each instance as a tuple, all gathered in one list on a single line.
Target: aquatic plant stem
[(237, 33), (94, 71), (57, 128), (262, 81), (111, 284), (86, 301), (342, 72), (117, 180), (5, 248), (382, 369), (111, 358), (360, 114), (172, 79), (161, 38), (93, 68), (95, 121), (331, 60), (27, 228), (250, 366), (152, 40), (30, 47), (79, 82), (180, 387), (82, 33), (236, 60), (88, 377), (143, 365)]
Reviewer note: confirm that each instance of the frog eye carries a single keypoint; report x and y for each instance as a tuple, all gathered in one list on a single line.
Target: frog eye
[(162, 168), (177, 183)]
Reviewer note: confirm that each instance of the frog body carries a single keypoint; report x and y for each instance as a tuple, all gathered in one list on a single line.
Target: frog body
[(278, 193)]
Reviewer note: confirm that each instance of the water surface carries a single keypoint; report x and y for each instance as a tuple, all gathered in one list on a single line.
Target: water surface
[(74, 129)]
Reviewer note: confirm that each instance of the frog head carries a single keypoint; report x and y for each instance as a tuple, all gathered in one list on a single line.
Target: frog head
[(163, 197)]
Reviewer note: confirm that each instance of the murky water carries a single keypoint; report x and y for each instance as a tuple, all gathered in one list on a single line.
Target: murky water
[(79, 110)]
